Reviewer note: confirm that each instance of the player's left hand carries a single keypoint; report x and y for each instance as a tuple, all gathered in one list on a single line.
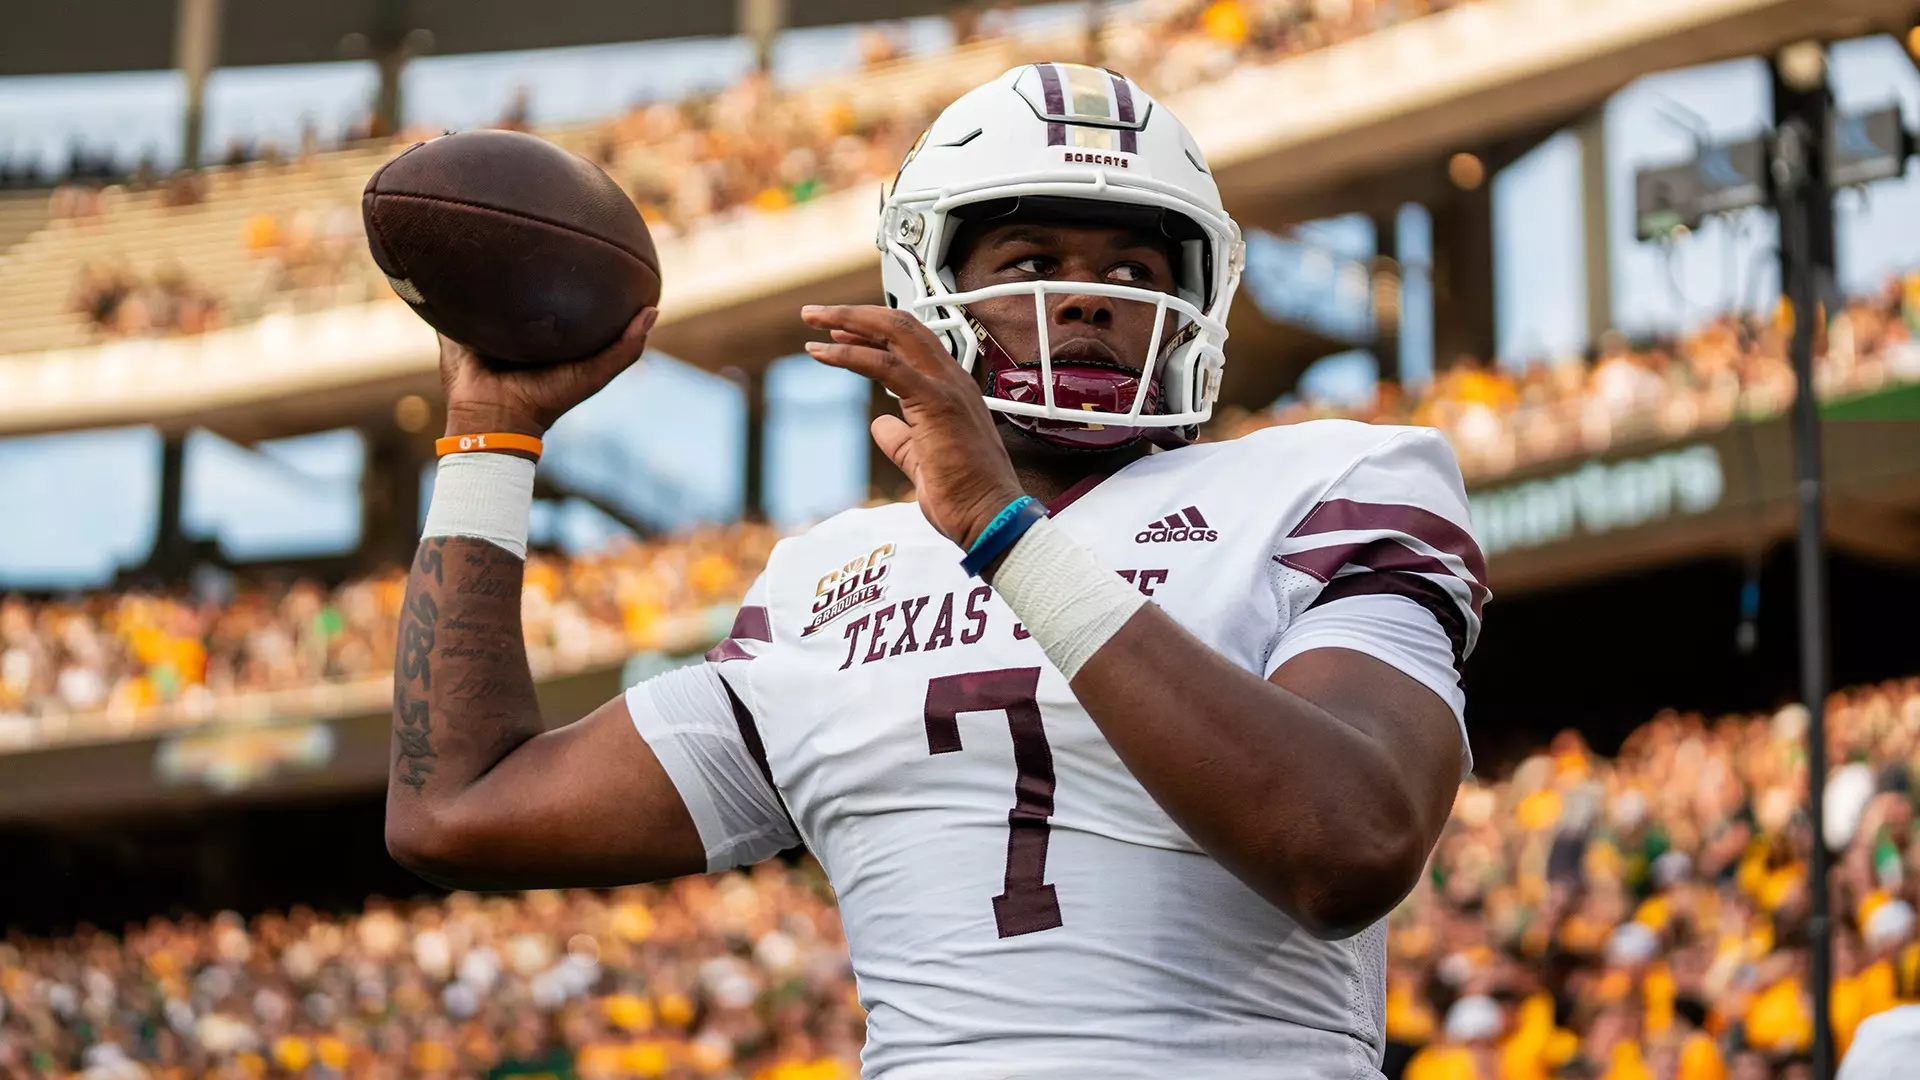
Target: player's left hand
[(946, 443)]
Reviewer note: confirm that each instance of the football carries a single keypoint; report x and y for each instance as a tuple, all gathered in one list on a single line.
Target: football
[(504, 242)]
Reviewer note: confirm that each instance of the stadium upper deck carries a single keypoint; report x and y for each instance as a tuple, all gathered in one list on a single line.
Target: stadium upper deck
[(1385, 106)]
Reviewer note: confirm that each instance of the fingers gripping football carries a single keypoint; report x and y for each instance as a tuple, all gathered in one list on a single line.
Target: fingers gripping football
[(483, 397), (944, 440)]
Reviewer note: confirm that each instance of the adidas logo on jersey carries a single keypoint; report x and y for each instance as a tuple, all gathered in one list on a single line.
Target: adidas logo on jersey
[(1185, 526)]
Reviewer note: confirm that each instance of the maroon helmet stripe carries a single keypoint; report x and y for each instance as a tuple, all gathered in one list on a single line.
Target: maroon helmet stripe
[(1055, 96), (1194, 518), (1123, 100), (1341, 515), (1385, 555), (750, 624), (1415, 588)]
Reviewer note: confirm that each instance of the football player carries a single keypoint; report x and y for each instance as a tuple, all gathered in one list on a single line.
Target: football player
[(1116, 747)]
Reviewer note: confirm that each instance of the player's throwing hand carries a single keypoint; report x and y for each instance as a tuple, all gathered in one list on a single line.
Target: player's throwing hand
[(527, 400), (946, 444)]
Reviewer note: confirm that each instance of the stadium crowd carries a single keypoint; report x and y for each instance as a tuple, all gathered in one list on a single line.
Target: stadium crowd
[(736, 975), (1645, 917), (1731, 368), (754, 147), (760, 147), (1640, 917), (1167, 46), (136, 659)]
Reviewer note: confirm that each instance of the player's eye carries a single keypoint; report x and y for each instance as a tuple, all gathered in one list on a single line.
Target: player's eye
[(1035, 264), (1131, 273)]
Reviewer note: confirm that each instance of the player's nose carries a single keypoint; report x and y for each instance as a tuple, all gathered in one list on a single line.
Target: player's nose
[(1073, 308)]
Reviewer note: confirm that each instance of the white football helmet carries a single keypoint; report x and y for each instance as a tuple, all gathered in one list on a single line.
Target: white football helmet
[(1071, 142)]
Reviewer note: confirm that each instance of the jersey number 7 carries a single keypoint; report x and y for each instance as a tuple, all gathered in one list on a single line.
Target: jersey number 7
[(1026, 904)]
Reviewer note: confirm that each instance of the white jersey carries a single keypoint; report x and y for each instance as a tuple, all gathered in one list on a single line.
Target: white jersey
[(1017, 905)]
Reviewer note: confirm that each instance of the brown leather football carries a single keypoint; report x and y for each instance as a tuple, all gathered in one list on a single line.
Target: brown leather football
[(506, 243)]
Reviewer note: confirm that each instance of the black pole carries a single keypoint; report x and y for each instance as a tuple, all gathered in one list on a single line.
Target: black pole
[(753, 386), (1798, 185), (1387, 295)]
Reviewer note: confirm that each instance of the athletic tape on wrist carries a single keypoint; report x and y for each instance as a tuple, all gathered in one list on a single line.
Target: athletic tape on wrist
[(485, 496), (1069, 602)]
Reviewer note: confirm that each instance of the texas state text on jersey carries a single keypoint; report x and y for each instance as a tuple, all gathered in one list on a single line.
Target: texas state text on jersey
[(1016, 904)]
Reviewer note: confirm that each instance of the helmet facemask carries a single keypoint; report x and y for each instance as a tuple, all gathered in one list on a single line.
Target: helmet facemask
[(1067, 145), (1087, 403)]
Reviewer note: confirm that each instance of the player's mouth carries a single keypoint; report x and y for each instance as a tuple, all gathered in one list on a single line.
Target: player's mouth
[(1088, 352)]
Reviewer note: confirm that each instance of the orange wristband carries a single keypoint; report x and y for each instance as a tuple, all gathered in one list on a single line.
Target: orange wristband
[(490, 442)]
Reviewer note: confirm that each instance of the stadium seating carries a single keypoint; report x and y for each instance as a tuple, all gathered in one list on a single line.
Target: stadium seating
[(1634, 917), (141, 229), (752, 147), (21, 213)]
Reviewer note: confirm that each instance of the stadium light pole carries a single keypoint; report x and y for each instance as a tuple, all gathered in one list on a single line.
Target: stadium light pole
[(1800, 193), (196, 50), (1793, 179), (1794, 171)]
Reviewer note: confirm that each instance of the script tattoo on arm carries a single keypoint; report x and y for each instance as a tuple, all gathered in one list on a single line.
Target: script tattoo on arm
[(463, 695)]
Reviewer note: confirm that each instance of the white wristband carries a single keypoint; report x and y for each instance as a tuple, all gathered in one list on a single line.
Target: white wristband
[(485, 496), (1066, 599)]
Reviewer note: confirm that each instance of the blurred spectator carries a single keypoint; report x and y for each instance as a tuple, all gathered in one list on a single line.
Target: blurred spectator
[(879, 45), (77, 200), (519, 111), (312, 258), (120, 302)]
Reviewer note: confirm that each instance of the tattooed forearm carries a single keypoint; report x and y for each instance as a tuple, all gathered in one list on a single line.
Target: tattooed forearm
[(412, 740), (463, 696)]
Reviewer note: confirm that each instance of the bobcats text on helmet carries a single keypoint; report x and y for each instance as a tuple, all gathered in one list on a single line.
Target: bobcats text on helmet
[(1091, 145)]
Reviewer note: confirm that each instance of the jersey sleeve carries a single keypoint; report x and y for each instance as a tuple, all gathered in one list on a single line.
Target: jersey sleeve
[(705, 739), (1386, 564)]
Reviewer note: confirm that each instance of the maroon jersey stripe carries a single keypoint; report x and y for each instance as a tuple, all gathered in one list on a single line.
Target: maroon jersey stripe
[(1194, 518), (1339, 515), (1385, 555), (750, 624), (1415, 588), (750, 734)]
